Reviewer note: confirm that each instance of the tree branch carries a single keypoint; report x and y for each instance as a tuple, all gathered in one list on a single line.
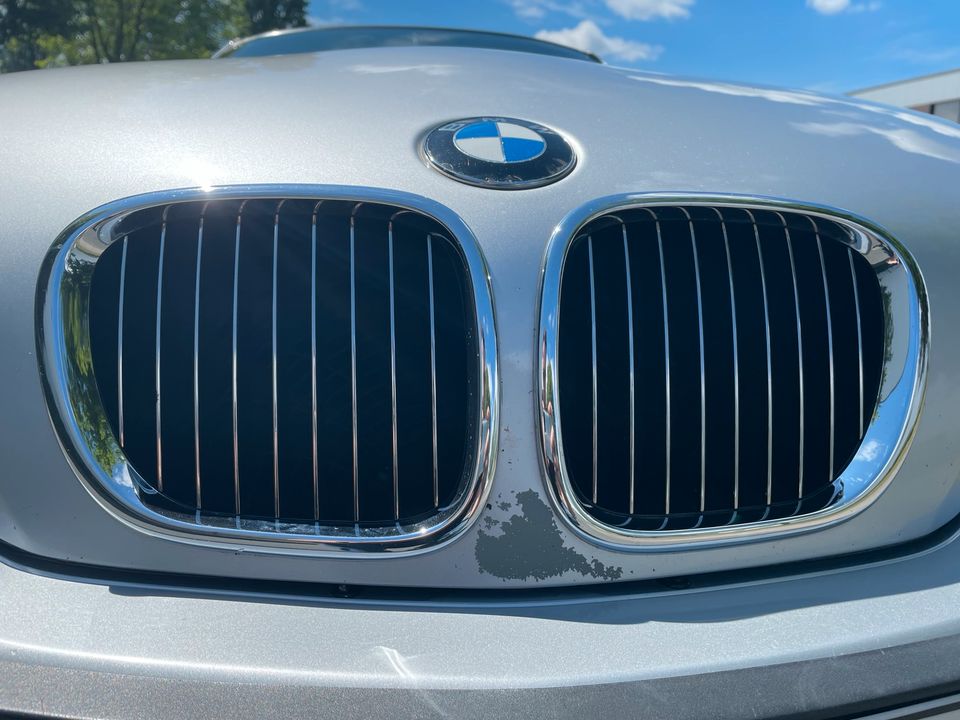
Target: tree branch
[(137, 29), (98, 47), (118, 30)]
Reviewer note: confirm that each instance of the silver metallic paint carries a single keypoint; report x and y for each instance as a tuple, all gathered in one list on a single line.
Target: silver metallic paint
[(195, 124), (150, 650)]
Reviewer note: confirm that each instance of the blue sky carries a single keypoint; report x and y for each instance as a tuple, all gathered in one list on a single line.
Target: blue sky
[(826, 45)]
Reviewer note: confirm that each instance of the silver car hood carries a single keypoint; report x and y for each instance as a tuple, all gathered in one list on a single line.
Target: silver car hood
[(77, 138)]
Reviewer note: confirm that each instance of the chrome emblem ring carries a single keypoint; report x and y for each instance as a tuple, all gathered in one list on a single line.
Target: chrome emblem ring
[(499, 153)]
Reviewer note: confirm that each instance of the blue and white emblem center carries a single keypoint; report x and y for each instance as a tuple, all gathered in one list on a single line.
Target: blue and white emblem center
[(501, 153), (499, 142)]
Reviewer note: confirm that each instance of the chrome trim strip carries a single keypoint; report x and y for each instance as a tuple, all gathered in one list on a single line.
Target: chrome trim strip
[(313, 362), (894, 423), (593, 354), (767, 340), (393, 376), (236, 417), (856, 305), (703, 366), (736, 366), (70, 387), (273, 365), (433, 374), (196, 364), (123, 279), (826, 300), (633, 433), (666, 357), (163, 237), (796, 304), (353, 363)]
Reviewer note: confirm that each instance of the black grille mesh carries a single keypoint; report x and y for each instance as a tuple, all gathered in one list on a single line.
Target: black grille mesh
[(756, 341), (382, 295)]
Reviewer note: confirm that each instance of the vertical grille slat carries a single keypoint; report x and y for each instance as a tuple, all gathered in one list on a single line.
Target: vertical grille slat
[(703, 371), (768, 356), (753, 391), (433, 376), (175, 362), (394, 467), (120, 303), (856, 305), (196, 363), (235, 403), (593, 354), (353, 365), (313, 364), (273, 365), (633, 418), (801, 395), (314, 456), (159, 316), (686, 377), (736, 364), (666, 355), (829, 321)]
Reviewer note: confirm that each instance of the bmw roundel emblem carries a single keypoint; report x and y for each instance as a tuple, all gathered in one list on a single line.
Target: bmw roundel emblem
[(498, 152)]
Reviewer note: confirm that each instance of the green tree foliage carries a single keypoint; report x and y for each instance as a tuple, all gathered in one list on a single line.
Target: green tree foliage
[(266, 15), (50, 33), (23, 26)]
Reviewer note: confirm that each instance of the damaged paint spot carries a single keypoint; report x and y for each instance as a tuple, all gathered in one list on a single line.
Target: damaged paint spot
[(530, 546)]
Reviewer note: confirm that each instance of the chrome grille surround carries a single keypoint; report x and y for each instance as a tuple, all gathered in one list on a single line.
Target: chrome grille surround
[(83, 428), (888, 435)]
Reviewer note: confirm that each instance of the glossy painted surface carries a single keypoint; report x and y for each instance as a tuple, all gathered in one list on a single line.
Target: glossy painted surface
[(75, 139), (883, 634)]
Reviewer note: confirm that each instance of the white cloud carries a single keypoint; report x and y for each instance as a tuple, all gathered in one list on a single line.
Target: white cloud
[(537, 9), (652, 9), (834, 7), (588, 36), (828, 7)]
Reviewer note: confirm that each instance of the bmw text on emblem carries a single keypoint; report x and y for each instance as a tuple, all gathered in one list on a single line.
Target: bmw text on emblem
[(500, 153)]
